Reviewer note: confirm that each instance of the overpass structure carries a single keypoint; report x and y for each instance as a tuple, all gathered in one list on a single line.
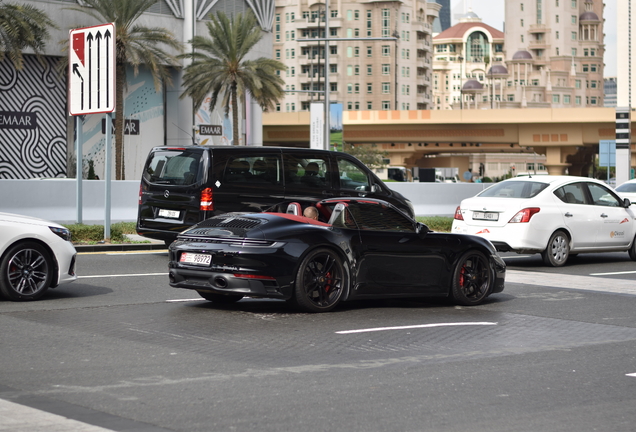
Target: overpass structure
[(568, 137)]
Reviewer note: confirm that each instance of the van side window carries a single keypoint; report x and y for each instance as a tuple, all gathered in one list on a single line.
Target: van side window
[(306, 172), (253, 169), (352, 176)]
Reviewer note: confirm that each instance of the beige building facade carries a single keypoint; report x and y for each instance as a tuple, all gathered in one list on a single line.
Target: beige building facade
[(364, 74)]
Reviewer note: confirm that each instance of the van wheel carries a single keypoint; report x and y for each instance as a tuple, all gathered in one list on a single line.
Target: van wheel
[(557, 251)]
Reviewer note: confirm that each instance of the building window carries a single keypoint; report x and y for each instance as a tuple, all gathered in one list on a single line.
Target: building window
[(369, 105), (334, 13), (573, 35), (386, 88), (386, 23), (577, 100), (369, 51), (369, 69), (557, 35), (356, 32), (349, 52), (586, 68), (386, 50), (556, 18), (349, 106), (593, 100), (349, 70), (577, 84), (333, 86), (356, 70), (386, 105), (349, 88), (277, 27), (356, 14), (521, 38), (573, 52), (356, 88), (349, 15), (356, 51), (573, 19), (511, 98), (333, 68), (573, 4), (592, 52), (593, 68), (386, 69), (521, 22), (277, 54), (369, 88), (556, 98), (522, 7), (566, 99)]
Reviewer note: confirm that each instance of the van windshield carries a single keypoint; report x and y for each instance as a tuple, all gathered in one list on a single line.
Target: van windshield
[(173, 167)]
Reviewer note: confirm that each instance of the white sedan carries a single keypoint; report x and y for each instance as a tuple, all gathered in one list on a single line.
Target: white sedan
[(35, 255), (627, 190), (556, 216)]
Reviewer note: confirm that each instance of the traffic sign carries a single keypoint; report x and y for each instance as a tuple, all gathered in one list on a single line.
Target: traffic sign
[(91, 70)]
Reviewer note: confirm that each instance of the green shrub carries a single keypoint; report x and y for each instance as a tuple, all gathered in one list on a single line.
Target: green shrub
[(81, 233), (437, 223)]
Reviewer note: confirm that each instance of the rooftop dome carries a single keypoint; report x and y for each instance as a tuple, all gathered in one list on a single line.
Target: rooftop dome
[(472, 85), (522, 55), (498, 70), (588, 16)]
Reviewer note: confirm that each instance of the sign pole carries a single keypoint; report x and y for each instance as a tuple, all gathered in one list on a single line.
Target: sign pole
[(107, 169), (79, 140)]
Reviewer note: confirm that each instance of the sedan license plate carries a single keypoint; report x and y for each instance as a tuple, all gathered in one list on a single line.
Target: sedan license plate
[(485, 216), (172, 214), (195, 258)]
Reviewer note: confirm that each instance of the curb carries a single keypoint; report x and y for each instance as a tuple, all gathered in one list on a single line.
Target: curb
[(123, 247)]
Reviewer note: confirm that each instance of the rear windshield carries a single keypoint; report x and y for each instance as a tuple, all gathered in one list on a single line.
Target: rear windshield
[(514, 189), (626, 187), (172, 167)]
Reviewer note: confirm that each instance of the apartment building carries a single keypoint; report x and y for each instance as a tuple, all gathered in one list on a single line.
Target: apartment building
[(380, 53)]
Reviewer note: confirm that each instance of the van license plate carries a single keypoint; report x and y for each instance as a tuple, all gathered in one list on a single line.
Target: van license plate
[(172, 214), (486, 216), (195, 258)]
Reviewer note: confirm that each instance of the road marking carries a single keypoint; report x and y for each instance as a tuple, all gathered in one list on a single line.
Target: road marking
[(150, 252), (184, 300), (516, 257), (612, 273), (586, 283), (377, 329), (631, 375), (122, 275)]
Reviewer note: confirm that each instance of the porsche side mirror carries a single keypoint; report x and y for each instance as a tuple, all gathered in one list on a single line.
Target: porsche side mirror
[(422, 229)]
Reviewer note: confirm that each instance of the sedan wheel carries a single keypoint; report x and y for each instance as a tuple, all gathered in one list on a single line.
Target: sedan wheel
[(320, 281), (632, 250), (220, 298), (558, 250), (26, 272), (472, 279)]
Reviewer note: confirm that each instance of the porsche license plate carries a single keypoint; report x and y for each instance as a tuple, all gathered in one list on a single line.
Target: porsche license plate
[(195, 258), (172, 214), (486, 216)]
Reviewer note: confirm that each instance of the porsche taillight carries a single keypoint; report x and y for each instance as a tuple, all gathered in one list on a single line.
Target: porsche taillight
[(524, 216), (206, 200), (458, 214)]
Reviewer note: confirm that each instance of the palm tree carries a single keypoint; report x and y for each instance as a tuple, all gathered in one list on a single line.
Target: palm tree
[(22, 26), (135, 45), (219, 67)]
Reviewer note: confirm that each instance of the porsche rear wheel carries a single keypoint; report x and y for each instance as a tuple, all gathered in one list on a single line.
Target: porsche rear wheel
[(220, 298), (26, 272), (473, 279), (321, 281)]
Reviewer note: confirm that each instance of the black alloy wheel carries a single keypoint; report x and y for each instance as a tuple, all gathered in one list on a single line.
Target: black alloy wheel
[(26, 272), (321, 281), (473, 279)]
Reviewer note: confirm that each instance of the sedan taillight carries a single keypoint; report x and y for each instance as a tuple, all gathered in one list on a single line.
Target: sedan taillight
[(524, 215), (206, 200), (458, 214)]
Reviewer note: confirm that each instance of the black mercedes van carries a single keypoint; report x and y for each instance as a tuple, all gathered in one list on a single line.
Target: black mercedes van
[(182, 186)]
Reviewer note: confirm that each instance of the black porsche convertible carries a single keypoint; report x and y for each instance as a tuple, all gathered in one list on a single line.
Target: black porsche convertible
[(358, 248)]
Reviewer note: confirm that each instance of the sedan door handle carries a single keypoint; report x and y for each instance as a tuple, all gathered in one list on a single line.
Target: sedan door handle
[(603, 215), (568, 214)]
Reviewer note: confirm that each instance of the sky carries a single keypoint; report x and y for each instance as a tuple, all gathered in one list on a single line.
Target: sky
[(492, 13)]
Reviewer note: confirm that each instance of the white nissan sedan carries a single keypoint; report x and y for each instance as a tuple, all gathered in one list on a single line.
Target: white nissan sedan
[(35, 255), (627, 190), (556, 216)]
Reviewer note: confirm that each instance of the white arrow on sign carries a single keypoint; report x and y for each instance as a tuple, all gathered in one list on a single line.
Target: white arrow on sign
[(91, 71)]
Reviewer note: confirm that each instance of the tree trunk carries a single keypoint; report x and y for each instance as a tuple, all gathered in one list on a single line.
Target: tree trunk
[(235, 116), (119, 122)]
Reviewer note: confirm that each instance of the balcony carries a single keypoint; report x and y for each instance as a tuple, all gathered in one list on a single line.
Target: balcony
[(538, 28)]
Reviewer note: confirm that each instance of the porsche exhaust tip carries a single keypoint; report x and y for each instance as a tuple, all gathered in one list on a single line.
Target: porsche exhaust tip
[(220, 282)]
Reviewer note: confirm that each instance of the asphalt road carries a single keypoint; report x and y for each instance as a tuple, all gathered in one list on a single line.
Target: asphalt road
[(121, 350)]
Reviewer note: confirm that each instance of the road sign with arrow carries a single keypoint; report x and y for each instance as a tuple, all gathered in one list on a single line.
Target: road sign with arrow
[(91, 72)]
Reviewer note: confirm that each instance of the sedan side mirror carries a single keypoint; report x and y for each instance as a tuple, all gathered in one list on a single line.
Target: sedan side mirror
[(626, 203)]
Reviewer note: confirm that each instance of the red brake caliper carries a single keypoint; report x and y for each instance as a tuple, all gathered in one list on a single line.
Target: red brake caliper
[(461, 275)]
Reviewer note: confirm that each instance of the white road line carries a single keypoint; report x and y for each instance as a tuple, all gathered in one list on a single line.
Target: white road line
[(631, 375), (612, 273), (377, 329), (516, 256), (184, 300), (586, 283), (122, 275)]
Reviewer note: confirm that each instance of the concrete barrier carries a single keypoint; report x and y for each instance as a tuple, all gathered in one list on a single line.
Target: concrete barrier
[(55, 199)]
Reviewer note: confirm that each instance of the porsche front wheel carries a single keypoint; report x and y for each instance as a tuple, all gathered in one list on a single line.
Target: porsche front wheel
[(473, 279), (321, 281)]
